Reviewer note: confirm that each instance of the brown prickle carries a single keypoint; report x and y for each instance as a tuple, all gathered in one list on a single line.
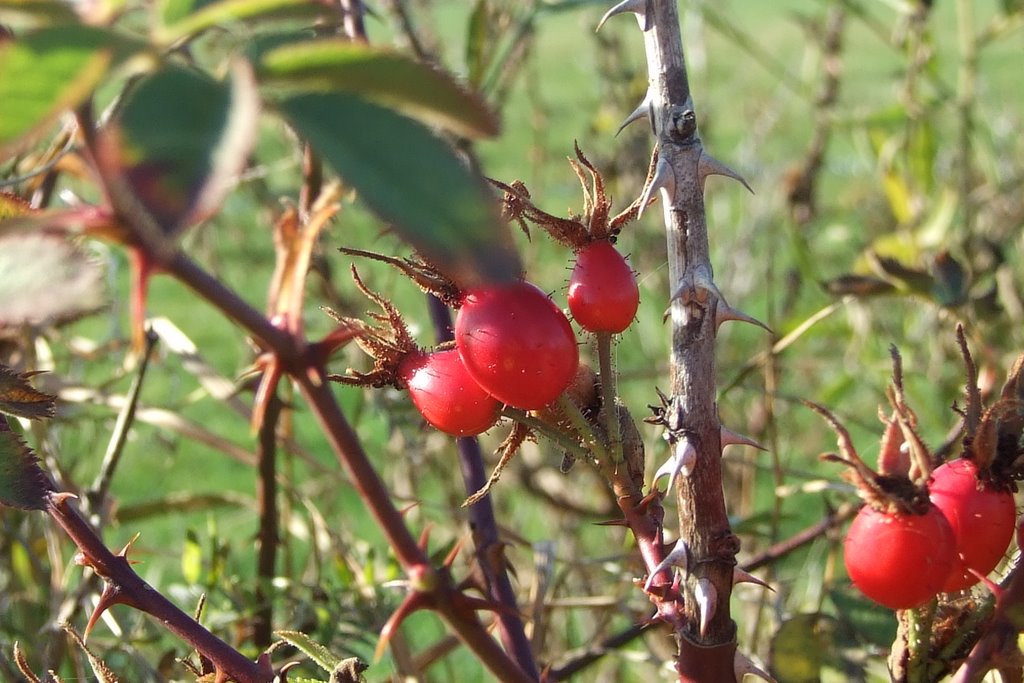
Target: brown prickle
[(743, 665), (664, 179), (743, 576), (642, 110), (706, 596), (731, 438), (708, 165), (641, 8), (678, 557)]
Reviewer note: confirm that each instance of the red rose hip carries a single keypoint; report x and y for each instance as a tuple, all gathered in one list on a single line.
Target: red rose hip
[(982, 518), (516, 343), (446, 395), (603, 294), (899, 560)]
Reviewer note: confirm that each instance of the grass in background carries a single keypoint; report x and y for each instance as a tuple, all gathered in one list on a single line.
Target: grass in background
[(754, 73)]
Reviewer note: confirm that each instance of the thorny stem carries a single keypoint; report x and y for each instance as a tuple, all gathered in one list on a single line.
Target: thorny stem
[(590, 438), (703, 518), (375, 495), (486, 539), (142, 596), (312, 382), (919, 638)]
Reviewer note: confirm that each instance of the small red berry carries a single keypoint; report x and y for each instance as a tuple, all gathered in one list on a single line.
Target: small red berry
[(445, 394), (603, 294), (516, 343), (982, 519), (899, 560)]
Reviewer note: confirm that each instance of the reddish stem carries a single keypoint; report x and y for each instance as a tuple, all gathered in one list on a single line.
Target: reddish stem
[(139, 594)]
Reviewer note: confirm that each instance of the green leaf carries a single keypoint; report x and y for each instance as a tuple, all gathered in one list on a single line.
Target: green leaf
[(478, 46), (23, 484), (47, 279), (177, 143), (412, 179), (800, 646), (312, 649), (192, 558), (19, 398), (42, 11), (384, 77), (186, 18), (47, 72)]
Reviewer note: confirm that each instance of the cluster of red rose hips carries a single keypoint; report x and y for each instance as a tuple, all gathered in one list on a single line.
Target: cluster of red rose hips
[(902, 560), (925, 531), (513, 345)]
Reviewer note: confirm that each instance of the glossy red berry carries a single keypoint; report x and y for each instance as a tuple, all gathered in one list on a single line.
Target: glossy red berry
[(445, 394), (982, 519), (516, 343), (603, 294), (899, 560)]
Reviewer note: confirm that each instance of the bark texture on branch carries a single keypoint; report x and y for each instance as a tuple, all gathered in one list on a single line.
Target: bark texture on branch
[(707, 634)]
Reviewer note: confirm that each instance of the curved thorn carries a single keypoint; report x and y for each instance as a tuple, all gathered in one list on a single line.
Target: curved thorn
[(724, 313), (412, 603), (743, 576), (664, 179), (731, 438), (638, 7), (708, 165), (449, 559), (682, 461), (642, 110), (706, 596), (679, 557), (111, 595), (743, 665)]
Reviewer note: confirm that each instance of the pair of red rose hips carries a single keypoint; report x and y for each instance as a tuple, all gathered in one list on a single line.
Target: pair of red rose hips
[(903, 560), (514, 346)]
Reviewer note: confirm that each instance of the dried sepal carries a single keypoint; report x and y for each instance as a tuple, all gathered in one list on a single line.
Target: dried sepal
[(508, 448), (972, 394), (423, 274), (99, 667), (22, 664)]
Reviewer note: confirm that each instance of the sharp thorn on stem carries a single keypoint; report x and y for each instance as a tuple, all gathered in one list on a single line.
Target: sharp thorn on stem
[(743, 665), (731, 438), (706, 596), (642, 110), (641, 8), (708, 165), (664, 179), (724, 313), (678, 558), (743, 576), (682, 461)]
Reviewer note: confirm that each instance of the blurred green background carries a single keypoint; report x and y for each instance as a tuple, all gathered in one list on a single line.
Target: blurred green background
[(920, 112)]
